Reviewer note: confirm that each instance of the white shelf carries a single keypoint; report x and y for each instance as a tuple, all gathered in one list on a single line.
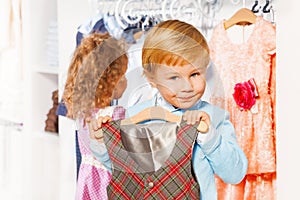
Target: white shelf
[(42, 77), (47, 69)]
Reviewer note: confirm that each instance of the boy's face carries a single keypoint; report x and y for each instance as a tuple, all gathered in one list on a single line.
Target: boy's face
[(181, 86)]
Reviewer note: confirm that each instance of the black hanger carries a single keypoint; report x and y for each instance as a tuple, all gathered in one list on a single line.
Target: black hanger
[(265, 10), (254, 9)]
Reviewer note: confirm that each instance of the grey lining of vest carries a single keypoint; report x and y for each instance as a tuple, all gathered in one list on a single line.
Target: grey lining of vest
[(149, 145)]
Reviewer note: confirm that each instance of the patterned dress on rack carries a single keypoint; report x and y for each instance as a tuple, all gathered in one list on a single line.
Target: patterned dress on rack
[(93, 177), (255, 128)]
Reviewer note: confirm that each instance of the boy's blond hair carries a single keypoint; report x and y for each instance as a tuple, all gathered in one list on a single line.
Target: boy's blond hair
[(174, 43)]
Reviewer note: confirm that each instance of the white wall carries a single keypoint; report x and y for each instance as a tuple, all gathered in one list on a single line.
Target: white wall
[(288, 95)]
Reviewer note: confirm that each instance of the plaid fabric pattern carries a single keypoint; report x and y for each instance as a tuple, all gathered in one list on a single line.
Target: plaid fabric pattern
[(174, 180)]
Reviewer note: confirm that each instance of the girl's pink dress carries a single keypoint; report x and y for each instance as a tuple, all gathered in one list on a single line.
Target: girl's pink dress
[(93, 177), (255, 128)]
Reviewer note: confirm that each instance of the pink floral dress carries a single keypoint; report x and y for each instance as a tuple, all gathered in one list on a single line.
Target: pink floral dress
[(93, 177), (236, 64)]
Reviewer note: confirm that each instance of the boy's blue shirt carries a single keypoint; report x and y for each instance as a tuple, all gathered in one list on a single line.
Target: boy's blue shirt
[(218, 154)]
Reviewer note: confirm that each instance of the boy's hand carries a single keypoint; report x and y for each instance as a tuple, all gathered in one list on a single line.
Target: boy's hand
[(95, 127), (197, 116)]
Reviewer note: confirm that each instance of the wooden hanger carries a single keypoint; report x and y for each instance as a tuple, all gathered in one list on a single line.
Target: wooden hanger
[(243, 16), (157, 112)]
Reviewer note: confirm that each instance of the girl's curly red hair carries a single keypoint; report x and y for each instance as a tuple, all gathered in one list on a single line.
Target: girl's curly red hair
[(99, 62)]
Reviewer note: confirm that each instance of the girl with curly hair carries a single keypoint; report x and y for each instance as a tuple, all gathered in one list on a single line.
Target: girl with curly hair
[(96, 76)]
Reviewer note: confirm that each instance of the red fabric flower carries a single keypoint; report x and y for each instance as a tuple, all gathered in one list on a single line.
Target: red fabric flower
[(245, 94)]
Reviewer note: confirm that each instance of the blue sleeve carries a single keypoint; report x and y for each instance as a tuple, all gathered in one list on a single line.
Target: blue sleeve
[(101, 154), (224, 154)]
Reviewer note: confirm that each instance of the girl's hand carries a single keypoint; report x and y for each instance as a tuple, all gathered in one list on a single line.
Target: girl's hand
[(197, 116), (95, 126)]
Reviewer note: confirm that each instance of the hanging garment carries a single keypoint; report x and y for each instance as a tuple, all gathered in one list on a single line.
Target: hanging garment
[(236, 64), (138, 88), (93, 25), (151, 161), (93, 176)]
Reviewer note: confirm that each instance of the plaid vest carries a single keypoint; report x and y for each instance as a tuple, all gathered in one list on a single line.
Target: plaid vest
[(173, 180)]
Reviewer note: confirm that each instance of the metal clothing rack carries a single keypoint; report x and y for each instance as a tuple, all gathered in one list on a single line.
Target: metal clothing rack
[(130, 12), (200, 13)]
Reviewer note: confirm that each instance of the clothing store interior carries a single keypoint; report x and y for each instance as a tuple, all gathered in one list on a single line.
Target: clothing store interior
[(41, 150)]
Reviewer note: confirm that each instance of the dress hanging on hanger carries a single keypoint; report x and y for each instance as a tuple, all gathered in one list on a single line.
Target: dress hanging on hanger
[(256, 127), (158, 153)]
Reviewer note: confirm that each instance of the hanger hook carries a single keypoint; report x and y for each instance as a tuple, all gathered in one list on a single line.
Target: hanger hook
[(265, 10), (145, 22), (254, 9)]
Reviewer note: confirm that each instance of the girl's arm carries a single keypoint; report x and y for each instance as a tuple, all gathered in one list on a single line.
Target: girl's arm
[(97, 146)]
